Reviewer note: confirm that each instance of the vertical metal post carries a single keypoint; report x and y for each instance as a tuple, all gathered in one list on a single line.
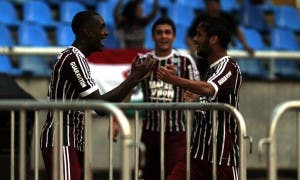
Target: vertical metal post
[(272, 159), (57, 169), (188, 143), (22, 144), (162, 145), (110, 147), (12, 145), (87, 145), (214, 139), (136, 148), (298, 143), (36, 145)]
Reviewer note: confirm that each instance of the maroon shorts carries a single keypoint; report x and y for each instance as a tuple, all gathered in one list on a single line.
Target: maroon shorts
[(175, 151), (72, 163), (201, 169)]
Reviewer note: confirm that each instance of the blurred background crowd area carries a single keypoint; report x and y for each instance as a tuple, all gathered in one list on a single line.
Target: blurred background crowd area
[(266, 25)]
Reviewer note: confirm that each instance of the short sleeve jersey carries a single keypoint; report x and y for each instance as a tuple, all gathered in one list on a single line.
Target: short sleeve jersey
[(225, 76), (70, 80), (155, 90)]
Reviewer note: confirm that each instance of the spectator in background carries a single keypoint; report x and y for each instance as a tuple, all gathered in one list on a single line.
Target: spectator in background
[(131, 22), (213, 9)]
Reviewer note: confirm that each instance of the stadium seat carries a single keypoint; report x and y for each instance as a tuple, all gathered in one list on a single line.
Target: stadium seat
[(64, 35), (180, 38), (5, 61), (112, 41), (105, 9), (287, 17), (68, 9), (229, 5), (162, 3), (149, 44), (253, 16), (38, 12), (252, 68), (285, 39), (33, 35), (253, 38), (8, 14), (179, 18), (195, 4)]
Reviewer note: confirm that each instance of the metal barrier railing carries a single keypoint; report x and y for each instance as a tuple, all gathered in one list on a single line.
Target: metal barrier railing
[(277, 113), (190, 107), (22, 106), (127, 142)]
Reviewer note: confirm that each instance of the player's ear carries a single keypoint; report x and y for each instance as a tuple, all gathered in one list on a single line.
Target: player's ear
[(213, 40)]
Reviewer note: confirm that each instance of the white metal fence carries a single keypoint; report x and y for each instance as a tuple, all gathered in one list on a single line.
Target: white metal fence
[(127, 138), (276, 117)]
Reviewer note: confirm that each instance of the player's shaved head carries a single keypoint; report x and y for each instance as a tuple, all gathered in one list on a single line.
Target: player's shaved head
[(82, 20)]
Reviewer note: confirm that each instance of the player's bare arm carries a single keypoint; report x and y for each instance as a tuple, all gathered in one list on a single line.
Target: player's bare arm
[(198, 87), (139, 71)]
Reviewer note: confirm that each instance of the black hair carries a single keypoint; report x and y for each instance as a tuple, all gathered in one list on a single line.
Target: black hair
[(81, 20), (219, 27), (206, 1), (164, 20), (129, 10)]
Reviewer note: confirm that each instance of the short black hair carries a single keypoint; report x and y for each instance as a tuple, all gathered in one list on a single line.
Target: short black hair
[(219, 27), (81, 20), (206, 1), (161, 21)]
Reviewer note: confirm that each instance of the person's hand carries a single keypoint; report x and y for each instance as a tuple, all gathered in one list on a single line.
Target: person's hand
[(249, 50), (190, 97), (115, 130), (140, 71), (166, 74)]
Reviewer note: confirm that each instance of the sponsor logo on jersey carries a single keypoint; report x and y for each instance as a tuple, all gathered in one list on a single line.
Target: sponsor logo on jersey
[(161, 91), (78, 75), (223, 79)]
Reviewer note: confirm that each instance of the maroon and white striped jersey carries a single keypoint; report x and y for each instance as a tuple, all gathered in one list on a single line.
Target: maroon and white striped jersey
[(225, 76), (70, 80), (155, 90)]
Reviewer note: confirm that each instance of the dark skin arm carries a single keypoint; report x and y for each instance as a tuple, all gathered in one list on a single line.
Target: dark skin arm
[(198, 87), (138, 73)]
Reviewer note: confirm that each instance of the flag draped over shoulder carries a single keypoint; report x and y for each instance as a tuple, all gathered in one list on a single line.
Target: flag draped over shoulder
[(110, 67)]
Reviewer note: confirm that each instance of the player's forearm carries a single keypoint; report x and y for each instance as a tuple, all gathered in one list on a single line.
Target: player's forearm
[(198, 87), (120, 92)]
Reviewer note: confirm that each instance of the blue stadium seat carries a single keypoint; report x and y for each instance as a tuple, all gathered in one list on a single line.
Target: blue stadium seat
[(38, 12), (149, 44), (253, 16), (33, 35), (162, 3), (229, 5), (5, 61), (68, 9), (64, 35), (285, 39), (175, 12), (287, 17), (252, 68), (105, 9), (195, 4), (8, 14), (253, 38), (180, 37), (112, 41)]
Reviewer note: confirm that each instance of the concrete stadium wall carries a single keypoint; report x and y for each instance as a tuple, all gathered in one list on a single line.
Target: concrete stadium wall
[(257, 100)]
